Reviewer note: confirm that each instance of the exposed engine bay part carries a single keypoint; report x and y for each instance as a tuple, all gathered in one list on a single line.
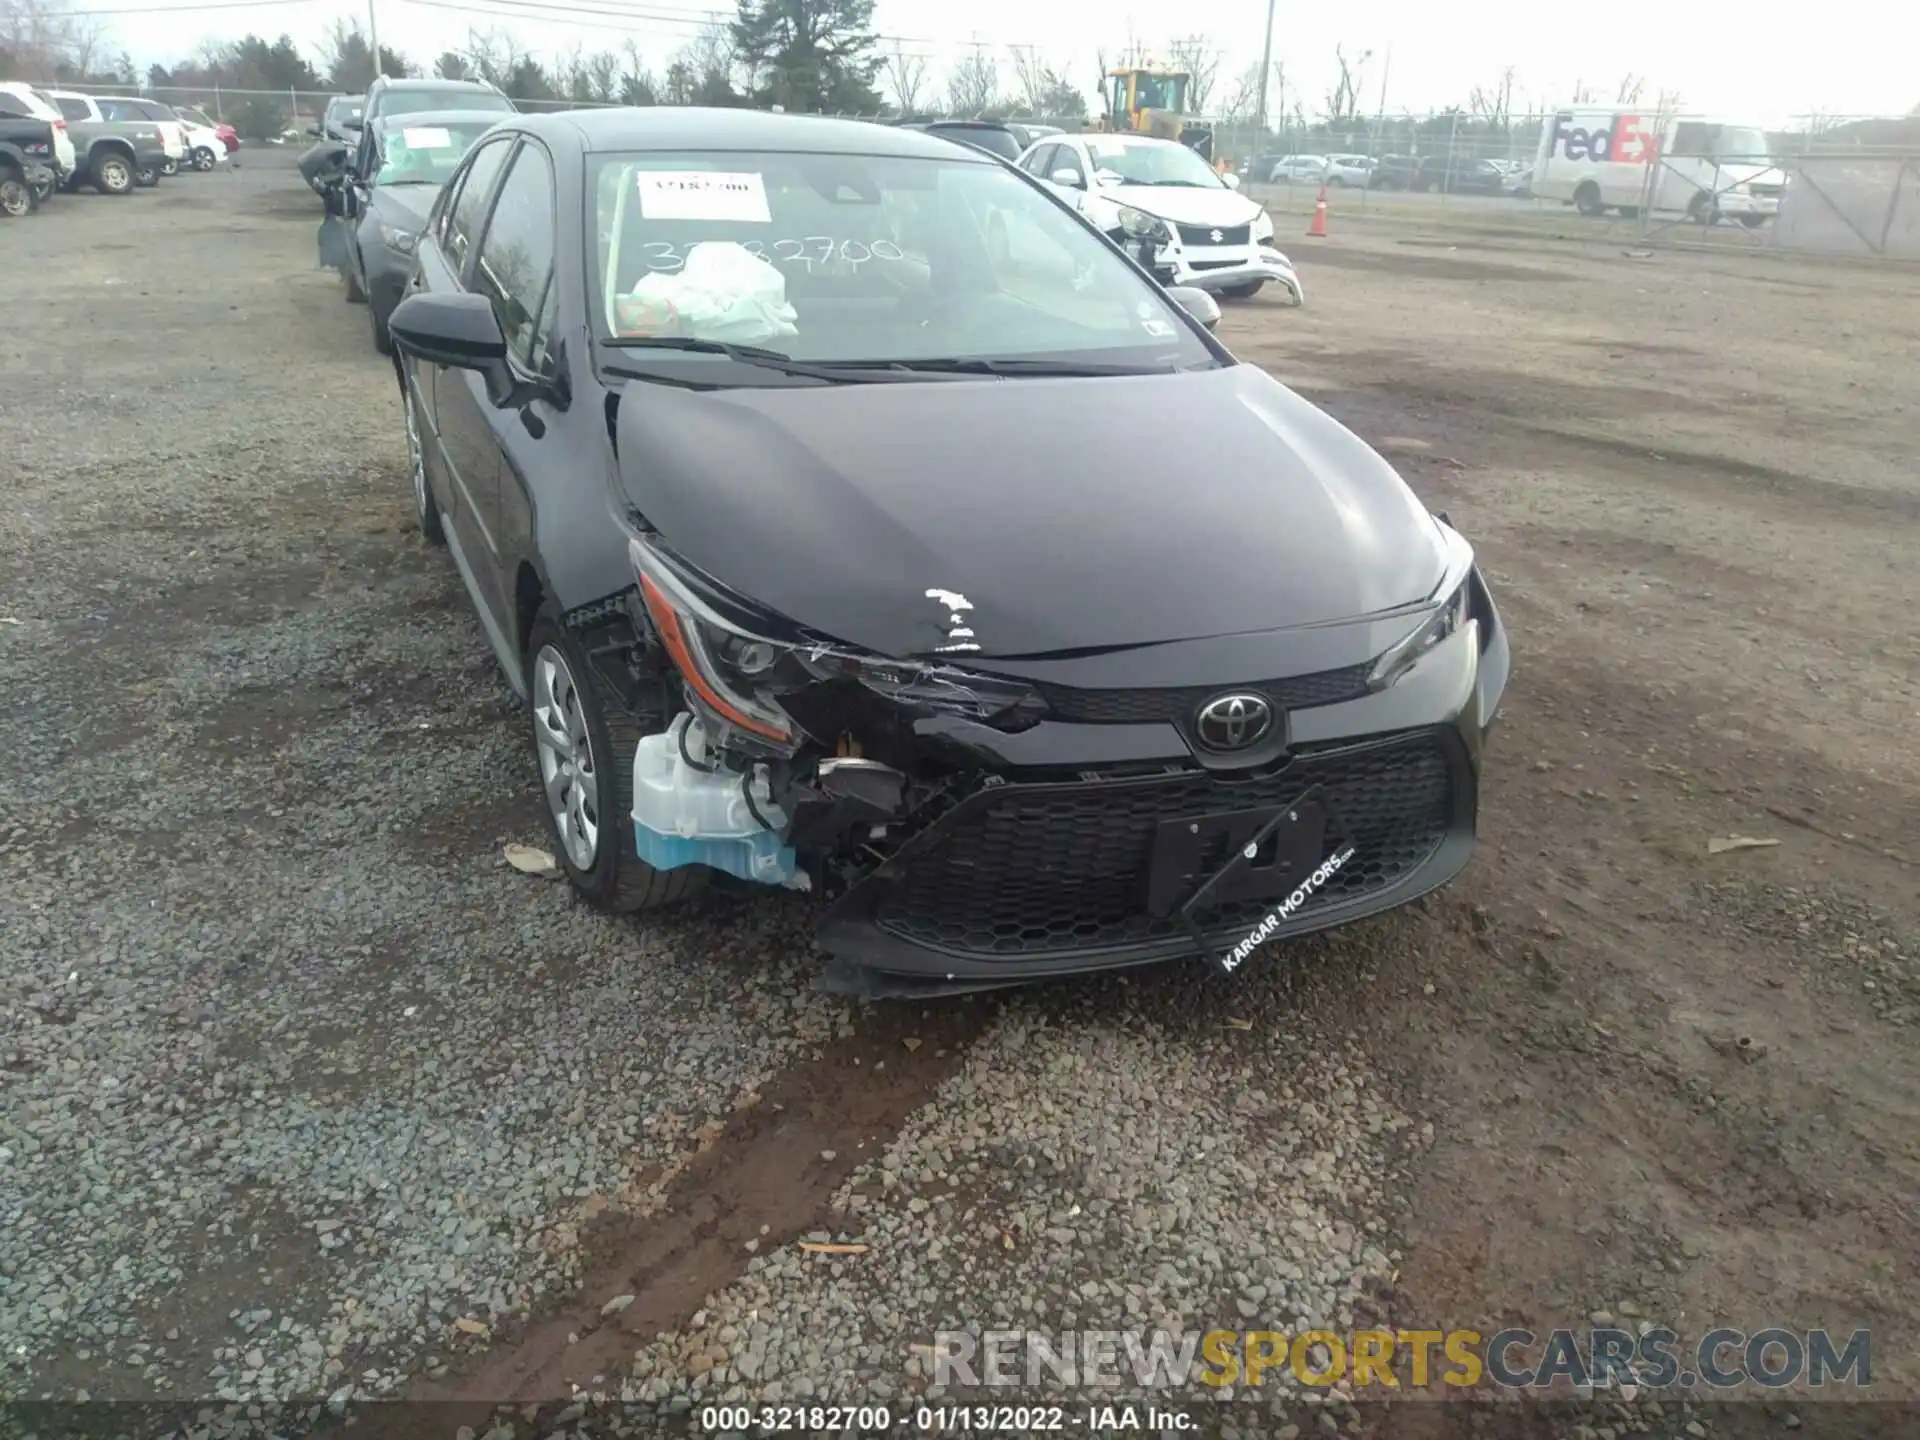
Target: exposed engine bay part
[(690, 809)]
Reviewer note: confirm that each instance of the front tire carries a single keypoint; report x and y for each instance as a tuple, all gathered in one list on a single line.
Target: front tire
[(203, 159), (425, 506), (583, 746), (1586, 199), (113, 175)]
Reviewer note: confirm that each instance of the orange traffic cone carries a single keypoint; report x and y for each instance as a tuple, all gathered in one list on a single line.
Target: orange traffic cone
[(1318, 230)]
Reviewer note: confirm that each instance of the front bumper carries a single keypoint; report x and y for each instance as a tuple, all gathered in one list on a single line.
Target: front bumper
[(1738, 205), (1044, 873), (1220, 269)]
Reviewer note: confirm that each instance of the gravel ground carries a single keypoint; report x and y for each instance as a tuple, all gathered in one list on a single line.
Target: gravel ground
[(1150, 1163), (298, 1073), (304, 1093)]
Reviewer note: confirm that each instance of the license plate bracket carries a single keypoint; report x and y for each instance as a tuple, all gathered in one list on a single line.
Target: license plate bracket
[(1239, 855)]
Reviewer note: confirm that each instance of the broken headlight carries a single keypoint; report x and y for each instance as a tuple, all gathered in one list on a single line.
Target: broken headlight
[(742, 675)]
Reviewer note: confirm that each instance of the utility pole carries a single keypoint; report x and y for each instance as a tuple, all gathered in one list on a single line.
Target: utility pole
[(1266, 68), (373, 38)]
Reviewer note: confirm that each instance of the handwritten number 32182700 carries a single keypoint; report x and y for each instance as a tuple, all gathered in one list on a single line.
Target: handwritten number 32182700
[(808, 252)]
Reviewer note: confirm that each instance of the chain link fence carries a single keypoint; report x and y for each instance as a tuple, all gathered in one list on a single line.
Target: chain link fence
[(1846, 185)]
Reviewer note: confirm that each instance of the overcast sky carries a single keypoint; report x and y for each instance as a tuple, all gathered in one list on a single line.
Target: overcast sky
[(1757, 61)]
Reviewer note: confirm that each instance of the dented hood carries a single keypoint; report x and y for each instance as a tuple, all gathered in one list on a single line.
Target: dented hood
[(1052, 514)]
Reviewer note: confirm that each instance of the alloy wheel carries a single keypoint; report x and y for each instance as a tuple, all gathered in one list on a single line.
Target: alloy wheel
[(416, 457), (16, 198), (567, 771)]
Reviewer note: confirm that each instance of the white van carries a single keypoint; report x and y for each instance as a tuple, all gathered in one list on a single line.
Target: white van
[(1596, 158)]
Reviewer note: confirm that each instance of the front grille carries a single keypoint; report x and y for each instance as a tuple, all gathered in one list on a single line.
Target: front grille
[(1144, 707), (1017, 871), (1206, 234)]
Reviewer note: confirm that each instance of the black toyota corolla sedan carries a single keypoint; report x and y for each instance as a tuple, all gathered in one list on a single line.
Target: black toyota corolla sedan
[(974, 588)]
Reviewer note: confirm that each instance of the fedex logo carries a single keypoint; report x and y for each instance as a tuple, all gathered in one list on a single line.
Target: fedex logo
[(1628, 140)]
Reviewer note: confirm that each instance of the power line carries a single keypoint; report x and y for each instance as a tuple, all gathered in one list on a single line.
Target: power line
[(178, 9)]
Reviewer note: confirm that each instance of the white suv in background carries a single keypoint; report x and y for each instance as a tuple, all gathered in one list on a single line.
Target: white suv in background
[(40, 107), (1349, 170)]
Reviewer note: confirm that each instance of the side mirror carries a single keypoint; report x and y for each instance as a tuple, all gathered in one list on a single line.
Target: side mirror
[(459, 331), (1070, 178), (1197, 303), (1232, 180)]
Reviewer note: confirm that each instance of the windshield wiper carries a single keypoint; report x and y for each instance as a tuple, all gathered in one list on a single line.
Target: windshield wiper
[(744, 354), (1010, 367)]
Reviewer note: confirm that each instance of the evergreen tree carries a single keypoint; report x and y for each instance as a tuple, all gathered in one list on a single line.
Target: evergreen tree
[(809, 55)]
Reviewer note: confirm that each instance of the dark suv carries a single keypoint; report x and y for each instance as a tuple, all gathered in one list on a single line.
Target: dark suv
[(388, 96)]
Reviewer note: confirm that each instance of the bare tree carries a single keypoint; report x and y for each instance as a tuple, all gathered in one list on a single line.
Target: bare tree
[(1201, 61), (1242, 97), (1494, 105), (974, 86), (904, 77), (494, 55), (1343, 104)]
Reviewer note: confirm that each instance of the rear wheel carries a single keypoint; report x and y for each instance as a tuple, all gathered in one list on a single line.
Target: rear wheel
[(113, 175), (147, 176), (1701, 209), (583, 742), (1586, 198), (170, 166), (16, 195), (202, 158)]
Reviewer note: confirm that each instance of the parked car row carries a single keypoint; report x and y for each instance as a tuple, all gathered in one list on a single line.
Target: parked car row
[(53, 139)]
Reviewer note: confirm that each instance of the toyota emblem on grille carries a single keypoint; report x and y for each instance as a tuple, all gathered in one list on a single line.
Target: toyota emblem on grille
[(1233, 722), (1216, 236)]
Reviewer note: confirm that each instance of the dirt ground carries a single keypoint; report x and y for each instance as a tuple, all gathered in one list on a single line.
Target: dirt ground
[(1663, 1074), (1661, 1081)]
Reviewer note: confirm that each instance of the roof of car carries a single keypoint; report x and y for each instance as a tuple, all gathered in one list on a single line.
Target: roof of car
[(676, 127), (417, 120), (426, 82)]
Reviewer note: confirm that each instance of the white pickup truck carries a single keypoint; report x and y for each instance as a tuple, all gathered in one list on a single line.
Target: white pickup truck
[(1615, 157)]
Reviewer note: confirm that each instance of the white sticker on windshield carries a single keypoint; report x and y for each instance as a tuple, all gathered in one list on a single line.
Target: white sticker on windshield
[(431, 137), (703, 195)]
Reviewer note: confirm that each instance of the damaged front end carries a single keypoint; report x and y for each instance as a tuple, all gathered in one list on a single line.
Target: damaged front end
[(795, 761)]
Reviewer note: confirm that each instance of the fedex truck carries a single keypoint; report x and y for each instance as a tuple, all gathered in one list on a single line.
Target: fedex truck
[(1600, 158)]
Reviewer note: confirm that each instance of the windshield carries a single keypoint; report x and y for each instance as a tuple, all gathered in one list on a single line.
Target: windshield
[(855, 257), (425, 154), (420, 102), (1142, 162), (346, 112), (1161, 92), (1740, 144)]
